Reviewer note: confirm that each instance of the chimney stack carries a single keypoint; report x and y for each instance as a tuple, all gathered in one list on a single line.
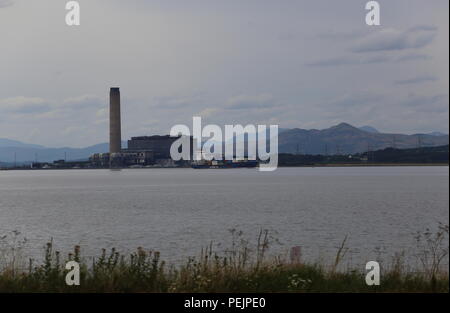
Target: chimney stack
[(115, 138)]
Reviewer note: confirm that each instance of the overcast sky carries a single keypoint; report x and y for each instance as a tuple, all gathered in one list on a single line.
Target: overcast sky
[(307, 64)]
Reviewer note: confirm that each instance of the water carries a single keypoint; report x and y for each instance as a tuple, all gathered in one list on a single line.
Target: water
[(177, 211)]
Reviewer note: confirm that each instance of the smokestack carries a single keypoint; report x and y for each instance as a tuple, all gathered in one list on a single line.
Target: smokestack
[(115, 137)]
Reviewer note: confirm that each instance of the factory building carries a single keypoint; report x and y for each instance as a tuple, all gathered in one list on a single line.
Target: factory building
[(123, 159), (160, 145), (141, 152)]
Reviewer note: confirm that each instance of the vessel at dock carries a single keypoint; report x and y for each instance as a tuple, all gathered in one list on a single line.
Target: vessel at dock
[(224, 164)]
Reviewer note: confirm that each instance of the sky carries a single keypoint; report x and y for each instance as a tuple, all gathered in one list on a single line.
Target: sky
[(305, 64)]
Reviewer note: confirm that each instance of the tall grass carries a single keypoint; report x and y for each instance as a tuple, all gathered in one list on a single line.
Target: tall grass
[(241, 268)]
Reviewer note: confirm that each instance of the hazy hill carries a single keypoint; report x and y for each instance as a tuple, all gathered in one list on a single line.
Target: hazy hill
[(28, 153), (369, 129), (14, 143), (437, 134), (342, 138), (345, 138)]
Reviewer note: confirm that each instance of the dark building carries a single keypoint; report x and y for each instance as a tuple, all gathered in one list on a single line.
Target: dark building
[(142, 151), (159, 145)]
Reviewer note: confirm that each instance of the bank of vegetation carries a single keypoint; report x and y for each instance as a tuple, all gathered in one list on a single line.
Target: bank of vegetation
[(242, 268), (389, 156)]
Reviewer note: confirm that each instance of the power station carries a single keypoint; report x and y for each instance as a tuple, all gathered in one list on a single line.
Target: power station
[(143, 151)]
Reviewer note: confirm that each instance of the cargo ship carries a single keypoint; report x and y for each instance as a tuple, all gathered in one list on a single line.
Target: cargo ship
[(223, 164)]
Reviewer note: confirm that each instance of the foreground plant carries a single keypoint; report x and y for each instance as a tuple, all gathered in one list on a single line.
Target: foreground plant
[(242, 268)]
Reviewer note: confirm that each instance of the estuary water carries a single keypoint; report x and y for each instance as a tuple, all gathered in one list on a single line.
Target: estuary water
[(179, 211)]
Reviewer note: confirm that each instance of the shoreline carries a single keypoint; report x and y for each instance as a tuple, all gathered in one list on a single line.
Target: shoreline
[(279, 166), (369, 165)]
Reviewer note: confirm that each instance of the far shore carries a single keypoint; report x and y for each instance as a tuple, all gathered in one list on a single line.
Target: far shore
[(368, 165), (290, 166)]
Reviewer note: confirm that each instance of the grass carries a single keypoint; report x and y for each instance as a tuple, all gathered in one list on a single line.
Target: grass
[(240, 269)]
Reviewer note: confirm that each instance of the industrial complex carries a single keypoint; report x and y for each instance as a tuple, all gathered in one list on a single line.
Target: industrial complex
[(144, 151)]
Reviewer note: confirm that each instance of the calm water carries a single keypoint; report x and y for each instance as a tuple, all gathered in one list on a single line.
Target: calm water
[(177, 211)]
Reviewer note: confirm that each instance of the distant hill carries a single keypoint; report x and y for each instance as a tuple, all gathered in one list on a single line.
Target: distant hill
[(437, 134), (14, 143), (347, 139), (340, 139), (369, 129), (28, 153)]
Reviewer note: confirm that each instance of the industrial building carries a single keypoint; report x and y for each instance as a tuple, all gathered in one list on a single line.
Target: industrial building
[(143, 151), (160, 145)]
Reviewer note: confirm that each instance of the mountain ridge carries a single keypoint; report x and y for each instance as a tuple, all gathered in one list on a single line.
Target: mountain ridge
[(342, 138), (345, 138), (369, 129)]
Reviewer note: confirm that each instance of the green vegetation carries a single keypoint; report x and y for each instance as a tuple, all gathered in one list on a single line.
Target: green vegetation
[(416, 156), (240, 269)]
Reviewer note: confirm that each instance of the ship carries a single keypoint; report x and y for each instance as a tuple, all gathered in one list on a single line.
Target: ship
[(224, 164)]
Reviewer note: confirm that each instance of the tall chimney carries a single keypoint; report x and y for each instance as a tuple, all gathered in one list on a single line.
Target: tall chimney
[(115, 138)]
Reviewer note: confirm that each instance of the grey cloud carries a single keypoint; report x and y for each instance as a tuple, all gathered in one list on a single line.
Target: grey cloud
[(394, 40), (350, 60), (338, 61), (435, 103), (416, 80), (243, 102), (27, 105), (24, 105), (177, 102), (6, 3), (288, 36), (84, 102), (376, 59), (419, 28), (381, 41), (358, 99), (413, 57), (341, 35)]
